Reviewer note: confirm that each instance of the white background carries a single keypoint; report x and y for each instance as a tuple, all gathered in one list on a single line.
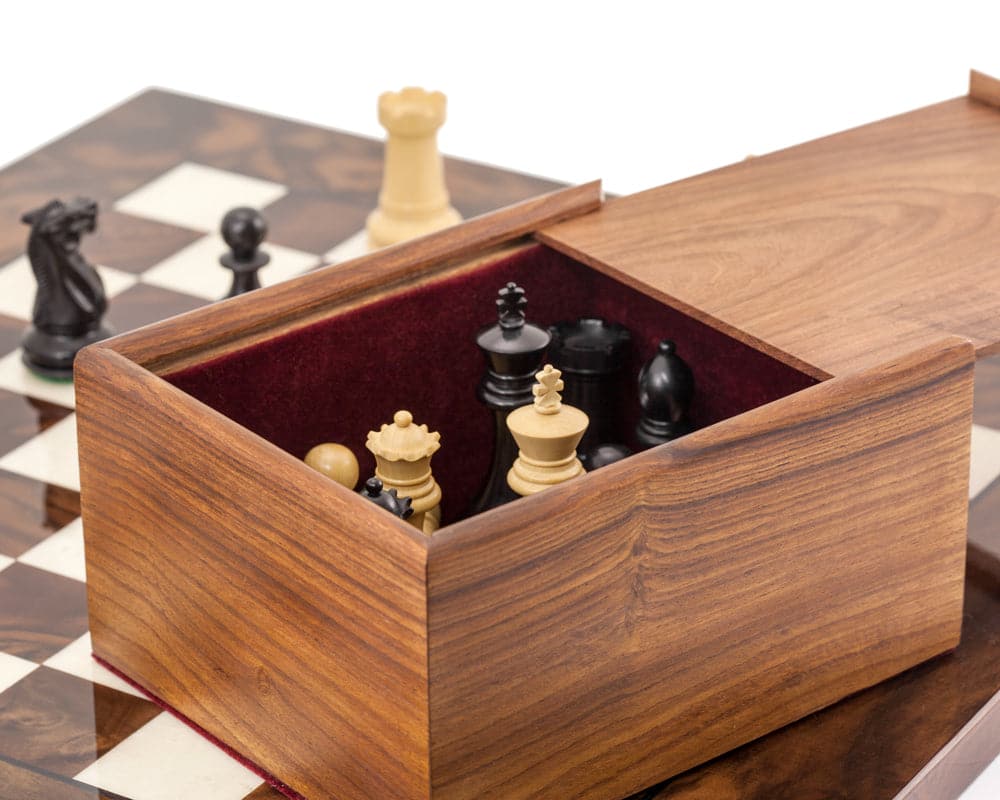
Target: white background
[(635, 93)]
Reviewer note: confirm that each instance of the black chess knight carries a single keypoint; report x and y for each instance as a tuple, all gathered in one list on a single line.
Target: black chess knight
[(390, 500), (70, 303)]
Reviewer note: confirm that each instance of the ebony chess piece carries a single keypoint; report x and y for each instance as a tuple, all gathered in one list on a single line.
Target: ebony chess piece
[(243, 230), (70, 303), (514, 351), (390, 500), (592, 354), (603, 454), (666, 387)]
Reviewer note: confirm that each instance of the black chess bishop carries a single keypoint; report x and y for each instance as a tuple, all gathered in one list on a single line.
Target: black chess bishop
[(666, 389)]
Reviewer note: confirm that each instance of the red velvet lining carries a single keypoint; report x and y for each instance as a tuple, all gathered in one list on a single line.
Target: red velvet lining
[(284, 788), (335, 380)]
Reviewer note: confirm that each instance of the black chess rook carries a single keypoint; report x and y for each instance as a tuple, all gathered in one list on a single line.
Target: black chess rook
[(592, 354)]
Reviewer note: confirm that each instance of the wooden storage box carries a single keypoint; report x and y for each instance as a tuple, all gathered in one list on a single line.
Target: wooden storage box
[(805, 543)]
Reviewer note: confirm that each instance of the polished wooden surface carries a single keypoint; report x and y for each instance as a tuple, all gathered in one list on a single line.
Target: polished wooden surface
[(834, 255), (178, 585), (696, 596), (869, 745), (819, 617), (984, 88)]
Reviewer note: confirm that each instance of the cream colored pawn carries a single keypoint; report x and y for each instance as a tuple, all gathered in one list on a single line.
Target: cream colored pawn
[(414, 199), (336, 462), (403, 453), (547, 434)]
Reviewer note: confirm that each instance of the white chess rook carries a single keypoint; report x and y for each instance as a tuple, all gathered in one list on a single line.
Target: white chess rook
[(414, 199)]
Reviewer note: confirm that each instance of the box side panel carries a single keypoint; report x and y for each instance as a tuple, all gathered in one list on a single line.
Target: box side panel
[(248, 592), (608, 633)]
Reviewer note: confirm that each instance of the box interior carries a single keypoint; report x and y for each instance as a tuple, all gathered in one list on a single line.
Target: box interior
[(336, 379)]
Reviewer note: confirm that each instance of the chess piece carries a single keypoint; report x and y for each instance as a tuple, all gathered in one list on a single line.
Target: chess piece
[(70, 303), (666, 387), (514, 351), (243, 230), (336, 462), (602, 455), (414, 198), (403, 453), (390, 500), (591, 355), (547, 433)]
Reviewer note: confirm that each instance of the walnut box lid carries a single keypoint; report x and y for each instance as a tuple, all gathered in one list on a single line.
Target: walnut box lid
[(834, 255)]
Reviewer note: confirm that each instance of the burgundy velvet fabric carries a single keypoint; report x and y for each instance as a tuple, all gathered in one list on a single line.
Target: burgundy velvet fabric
[(335, 380), (284, 788)]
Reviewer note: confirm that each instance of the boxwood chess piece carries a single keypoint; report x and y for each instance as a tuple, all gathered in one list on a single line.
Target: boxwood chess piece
[(243, 229), (666, 388), (547, 433), (335, 461), (403, 453), (70, 302), (414, 198)]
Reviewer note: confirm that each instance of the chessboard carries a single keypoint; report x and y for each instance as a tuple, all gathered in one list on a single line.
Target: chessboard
[(164, 169)]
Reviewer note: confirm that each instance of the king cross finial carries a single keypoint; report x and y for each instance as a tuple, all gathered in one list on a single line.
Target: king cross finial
[(546, 391), (510, 306)]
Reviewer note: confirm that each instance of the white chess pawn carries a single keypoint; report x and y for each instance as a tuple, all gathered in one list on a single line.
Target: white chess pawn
[(414, 199)]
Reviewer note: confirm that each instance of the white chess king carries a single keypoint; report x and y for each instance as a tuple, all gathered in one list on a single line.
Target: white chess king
[(547, 434)]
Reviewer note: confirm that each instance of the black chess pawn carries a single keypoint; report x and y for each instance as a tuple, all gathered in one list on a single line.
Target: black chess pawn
[(666, 388), (70, 303), (243, 230), (592, 354), (514, 351), (390, 500)]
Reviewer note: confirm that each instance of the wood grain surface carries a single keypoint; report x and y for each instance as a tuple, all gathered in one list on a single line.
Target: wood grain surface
[(977, 744), (984, 88), (867, 746), (874, 743), (835, 255), (244, 589), (332, 179), (694, 597)]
